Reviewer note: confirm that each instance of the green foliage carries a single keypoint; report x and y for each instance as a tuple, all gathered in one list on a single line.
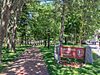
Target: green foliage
[(10, 56), (81, 19), (43, 19)]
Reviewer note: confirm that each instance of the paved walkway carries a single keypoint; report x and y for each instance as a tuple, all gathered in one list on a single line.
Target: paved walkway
[(30, 63)]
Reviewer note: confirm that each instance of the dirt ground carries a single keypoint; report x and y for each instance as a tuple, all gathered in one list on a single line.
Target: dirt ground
[(30, 63)]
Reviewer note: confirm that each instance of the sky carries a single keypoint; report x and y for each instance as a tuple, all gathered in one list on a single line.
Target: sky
[(46, 1)]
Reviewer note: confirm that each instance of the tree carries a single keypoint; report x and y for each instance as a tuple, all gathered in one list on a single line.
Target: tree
[(7, 8), (62, 22)]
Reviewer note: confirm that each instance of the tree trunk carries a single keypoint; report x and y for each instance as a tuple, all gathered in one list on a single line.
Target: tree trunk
[(48, 40), (65, 40), (21, 41), (16, 17), (62, 23), (9, 34), (8, 40), (5, 13), (14, 33), (45, 43)]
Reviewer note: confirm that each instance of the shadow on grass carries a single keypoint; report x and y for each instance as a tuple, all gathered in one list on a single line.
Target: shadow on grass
[(57, 69), (9, 56)]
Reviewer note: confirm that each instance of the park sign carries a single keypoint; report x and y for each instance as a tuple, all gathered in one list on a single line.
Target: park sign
[(64, 55), (72, 52), (73, 56), (76, 53)]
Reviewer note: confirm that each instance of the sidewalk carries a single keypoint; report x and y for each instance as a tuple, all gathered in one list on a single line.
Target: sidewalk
[(30, 63)]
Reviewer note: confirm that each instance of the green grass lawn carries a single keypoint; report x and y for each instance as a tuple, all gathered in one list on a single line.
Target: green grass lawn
[(9, 56), (57, 69)]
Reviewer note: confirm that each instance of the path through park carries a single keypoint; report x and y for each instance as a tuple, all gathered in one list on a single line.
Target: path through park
[(30, 63)]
